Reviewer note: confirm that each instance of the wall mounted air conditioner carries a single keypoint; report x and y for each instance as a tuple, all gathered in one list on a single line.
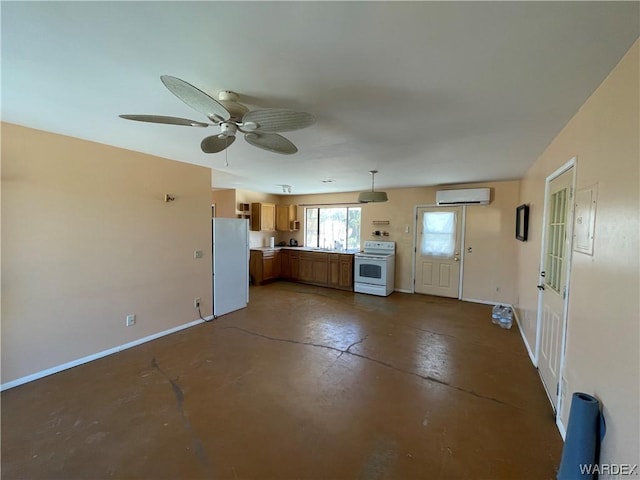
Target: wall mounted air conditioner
[(467, 196)]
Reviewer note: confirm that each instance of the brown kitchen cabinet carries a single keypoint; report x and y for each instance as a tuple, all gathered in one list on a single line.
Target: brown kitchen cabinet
[(346, 272), (295, 265), (264, 266), (305, 267), (314, 268), (320, 268), (285, 263), (286, 218), (333, 270), (289, 264), (341, 271), (263, 217)]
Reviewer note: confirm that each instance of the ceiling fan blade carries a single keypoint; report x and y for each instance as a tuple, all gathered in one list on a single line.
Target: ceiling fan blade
[(215, 144), (277, 120), (163, 119), (272, 142), (196, 98)]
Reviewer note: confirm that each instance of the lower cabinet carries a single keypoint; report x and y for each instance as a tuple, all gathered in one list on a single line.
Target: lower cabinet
[(341, 271), (295, 265), (289, 264), (285, 264), (333, 270), (305, 268), (346, 272), (264, 266)]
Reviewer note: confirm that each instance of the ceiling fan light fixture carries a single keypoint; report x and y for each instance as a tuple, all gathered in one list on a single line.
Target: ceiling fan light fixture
[(372, 196), (259, 126), (228, 129)]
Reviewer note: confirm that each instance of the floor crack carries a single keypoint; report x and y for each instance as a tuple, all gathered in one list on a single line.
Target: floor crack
[(370, 359), (179, 394), (287, 340)]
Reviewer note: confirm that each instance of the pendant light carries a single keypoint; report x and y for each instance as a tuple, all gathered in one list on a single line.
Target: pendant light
[(372, 196)]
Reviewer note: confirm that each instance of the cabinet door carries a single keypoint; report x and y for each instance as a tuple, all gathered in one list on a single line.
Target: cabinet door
[(263, 217), (294, 224), (255, 267), (295, 265), (346, 272), (334, 270), (285, 263), (254, 222), (268, 267), (268, 217), (282, 218), (305, 272), (321, 268)]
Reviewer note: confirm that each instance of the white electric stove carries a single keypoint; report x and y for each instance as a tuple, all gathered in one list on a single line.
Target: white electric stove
[(374, 269)]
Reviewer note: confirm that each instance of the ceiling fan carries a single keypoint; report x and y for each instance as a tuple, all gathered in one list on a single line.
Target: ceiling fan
[(259, 126)]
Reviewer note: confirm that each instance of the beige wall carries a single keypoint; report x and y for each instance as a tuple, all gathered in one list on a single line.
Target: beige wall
[(225, 202), (258, 239), (603, 329), (489, 272), (87, 239)]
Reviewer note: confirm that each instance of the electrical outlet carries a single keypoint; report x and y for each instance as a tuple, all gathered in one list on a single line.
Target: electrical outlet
[(131, 320), (196, 302)]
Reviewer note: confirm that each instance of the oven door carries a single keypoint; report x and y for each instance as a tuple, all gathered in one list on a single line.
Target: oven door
[(371, 270)]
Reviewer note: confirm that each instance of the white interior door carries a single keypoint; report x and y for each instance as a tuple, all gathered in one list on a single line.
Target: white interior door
[(438, 247), (554, 281)]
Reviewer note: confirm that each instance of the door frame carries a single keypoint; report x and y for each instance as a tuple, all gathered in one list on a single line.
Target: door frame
[(414, 251), (571, 164)]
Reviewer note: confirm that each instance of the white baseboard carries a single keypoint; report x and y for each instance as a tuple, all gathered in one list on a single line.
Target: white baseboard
[(473, 300), (561, 427), (524, 339), (95, 356), (402, 290)]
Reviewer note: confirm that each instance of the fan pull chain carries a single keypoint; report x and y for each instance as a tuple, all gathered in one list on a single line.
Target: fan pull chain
[(226, 152)]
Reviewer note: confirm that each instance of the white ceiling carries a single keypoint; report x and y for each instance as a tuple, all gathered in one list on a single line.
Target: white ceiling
[(427, 93)]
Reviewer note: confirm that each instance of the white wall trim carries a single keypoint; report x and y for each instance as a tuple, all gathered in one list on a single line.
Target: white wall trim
[(402, 290), (561, 427), (96, 356), (485, 302), (463, 228), (532, 356)]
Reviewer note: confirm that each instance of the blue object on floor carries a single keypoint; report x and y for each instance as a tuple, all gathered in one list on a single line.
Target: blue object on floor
[(584, 434)]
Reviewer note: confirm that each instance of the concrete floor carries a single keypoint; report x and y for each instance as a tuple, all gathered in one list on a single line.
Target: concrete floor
[(305, 383)]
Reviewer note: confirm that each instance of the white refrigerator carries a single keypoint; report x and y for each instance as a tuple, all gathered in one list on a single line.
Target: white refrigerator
[(230, 267)]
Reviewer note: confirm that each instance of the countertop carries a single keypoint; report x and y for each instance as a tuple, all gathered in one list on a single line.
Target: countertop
[(350, 251)]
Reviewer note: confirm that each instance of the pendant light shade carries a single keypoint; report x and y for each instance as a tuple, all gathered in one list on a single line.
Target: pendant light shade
[(372, 196)]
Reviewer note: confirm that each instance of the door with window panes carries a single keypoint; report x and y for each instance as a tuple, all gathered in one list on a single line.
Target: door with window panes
[(553, 290), (438, 251)]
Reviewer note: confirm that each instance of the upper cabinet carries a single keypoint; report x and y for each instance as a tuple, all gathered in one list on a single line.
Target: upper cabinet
[(287, 218), (244, 210), (263, 217)]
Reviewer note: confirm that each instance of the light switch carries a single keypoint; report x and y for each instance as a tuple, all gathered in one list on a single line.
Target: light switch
[(197, 254)]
